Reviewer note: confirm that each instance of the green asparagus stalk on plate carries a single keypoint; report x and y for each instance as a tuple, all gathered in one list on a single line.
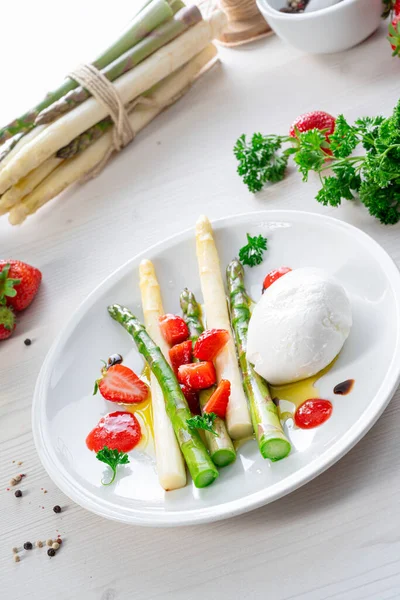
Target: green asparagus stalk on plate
[(202, 469), (191, 314), (219, 443), (185, 18), (271, 439), (149, 17)]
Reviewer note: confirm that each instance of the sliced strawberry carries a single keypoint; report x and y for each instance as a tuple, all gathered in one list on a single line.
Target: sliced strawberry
[(218, 401), (274, 275), (118, 431), (198, 376), (312, 413), (121, 384), (210, 343), (192, 398), (7, 322), (181, 354), (174, 329)]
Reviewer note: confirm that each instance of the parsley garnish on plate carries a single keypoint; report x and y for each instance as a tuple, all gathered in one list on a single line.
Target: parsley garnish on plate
[(112, 458), (205, 422), (252, 253), (372, 175)]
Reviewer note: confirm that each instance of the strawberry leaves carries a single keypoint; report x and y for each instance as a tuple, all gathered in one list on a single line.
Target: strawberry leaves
[(7, 284), (388, 7), (7, 318)]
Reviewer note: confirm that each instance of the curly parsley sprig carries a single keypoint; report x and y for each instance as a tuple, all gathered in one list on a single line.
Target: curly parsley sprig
[(112, 458), (373, 177), (206, 422), (252, 253), (260, 159)]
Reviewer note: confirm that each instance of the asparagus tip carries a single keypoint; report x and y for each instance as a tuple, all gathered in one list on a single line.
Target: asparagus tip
[(113, 310), (235, 268)]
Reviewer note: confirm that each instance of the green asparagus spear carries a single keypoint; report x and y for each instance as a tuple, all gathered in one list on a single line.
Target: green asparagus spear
[(271, 439), (220, 446), (149, 17), (85, 139), (163, 34), (191, 314), (219, 443), (201, 467), (176, 5)]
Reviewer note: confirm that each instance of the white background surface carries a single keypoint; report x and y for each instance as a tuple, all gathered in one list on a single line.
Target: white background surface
[(337, 538)]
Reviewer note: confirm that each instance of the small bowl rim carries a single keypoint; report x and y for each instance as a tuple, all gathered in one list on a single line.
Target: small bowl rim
[(304, 16)]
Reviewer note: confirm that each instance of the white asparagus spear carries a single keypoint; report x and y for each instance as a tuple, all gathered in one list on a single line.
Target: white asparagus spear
[(170, 464), (238, 419), (26, 139), (27, 184), (73, 169), (130, 85)]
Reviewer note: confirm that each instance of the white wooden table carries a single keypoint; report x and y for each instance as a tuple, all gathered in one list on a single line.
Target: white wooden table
[(336, 538)]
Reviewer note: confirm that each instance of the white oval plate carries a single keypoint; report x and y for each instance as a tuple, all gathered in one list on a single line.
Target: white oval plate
[(64, 410)]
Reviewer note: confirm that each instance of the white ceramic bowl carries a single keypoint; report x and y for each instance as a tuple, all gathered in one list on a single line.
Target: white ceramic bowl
[(332, 29)]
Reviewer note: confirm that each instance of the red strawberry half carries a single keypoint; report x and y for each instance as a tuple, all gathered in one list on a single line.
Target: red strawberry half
[(210, 343), (218, 401), (174, 329), (121, 384), (7, 322), (317, 119), (274, 275), (19, 283), (181, 354), (198, 376), (118, 431)]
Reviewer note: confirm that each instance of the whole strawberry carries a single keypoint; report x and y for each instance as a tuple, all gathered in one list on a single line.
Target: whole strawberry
[(7, 322), (317, 119), (19, 283), (394, 33)]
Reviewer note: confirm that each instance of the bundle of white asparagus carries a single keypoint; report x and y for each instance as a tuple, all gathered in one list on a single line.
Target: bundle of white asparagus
[(62, 140)]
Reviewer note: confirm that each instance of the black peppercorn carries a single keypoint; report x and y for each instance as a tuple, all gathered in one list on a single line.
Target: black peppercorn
[(57, 509), (114, 359), (28, 546), (18, 493), (27, 342), (51, 552)]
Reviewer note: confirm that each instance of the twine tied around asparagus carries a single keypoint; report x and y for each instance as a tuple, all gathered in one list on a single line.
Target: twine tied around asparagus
[(105, 92)]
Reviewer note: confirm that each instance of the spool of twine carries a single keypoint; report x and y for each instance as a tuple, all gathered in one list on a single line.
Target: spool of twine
[(240, 10), (245, 22)]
